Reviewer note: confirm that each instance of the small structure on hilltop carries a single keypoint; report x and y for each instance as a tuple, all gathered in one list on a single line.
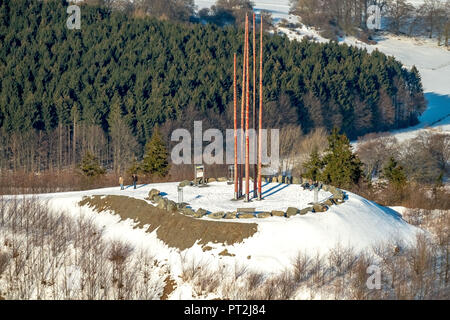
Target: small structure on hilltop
[(199, 175)]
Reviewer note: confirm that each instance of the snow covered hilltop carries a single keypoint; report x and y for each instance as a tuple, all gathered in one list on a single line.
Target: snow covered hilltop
[(357, 223), (181, 255)]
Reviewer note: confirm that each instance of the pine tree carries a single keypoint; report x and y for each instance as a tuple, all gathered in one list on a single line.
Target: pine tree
[(134, 167), (155, 159), (123, 143), (313, 166), (90, 166), (395, 174), (342, 167)]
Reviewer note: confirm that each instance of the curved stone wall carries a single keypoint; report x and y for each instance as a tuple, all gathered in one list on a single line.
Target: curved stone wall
[(338, 197)]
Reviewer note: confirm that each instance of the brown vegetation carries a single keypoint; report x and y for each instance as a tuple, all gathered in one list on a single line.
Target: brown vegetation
[(189, 230), (168, 288), (47, 254), (424, 160), (53, 255)]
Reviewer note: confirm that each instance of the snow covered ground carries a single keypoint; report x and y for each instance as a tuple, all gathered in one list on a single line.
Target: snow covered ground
[(217, 197), (433, 62), (358, 223), (279, 9)]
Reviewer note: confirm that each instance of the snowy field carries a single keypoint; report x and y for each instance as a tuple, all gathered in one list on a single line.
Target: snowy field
[(433, 62), (279, 9), (358, 223)]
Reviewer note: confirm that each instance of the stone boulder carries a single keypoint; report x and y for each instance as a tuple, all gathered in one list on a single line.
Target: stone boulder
[(230, 215), (171, 206), (216, 215), (263, 215), (162, 204), (182, 205), (222, 179), (320, 207), (339, 195), (246, 216), (185, 183), (305, 210), (291, 211), (188, 212), (153, 193), (200, 213), (277, 213), (332, 189), (212, 180)]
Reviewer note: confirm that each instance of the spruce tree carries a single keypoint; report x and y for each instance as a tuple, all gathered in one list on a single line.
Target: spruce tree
[(134, 167), (342, 167), (313, 166), (395, 174), (90, 166), (155, 159)]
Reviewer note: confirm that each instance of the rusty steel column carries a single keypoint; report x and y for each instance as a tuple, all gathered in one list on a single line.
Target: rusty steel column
[(255, 146), (247, 144), (260, 111), (241, 188), (235, 131)]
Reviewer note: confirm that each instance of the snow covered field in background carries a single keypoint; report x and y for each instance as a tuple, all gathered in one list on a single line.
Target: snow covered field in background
[(432, 61), (279, 9)]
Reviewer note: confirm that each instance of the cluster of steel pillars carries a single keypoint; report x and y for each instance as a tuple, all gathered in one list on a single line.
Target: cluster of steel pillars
[(243, 170)]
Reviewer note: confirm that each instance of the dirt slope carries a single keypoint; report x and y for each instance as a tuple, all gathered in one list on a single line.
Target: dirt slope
[(175, 229)]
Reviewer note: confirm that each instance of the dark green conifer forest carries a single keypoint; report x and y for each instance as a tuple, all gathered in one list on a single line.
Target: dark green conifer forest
[(64, 92)]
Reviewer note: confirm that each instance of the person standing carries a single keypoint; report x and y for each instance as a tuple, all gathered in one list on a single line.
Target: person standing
[(135, 178), (121, 182), (311, 185)]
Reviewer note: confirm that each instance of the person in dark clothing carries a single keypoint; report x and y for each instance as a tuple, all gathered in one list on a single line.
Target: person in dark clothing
[(135, 179)]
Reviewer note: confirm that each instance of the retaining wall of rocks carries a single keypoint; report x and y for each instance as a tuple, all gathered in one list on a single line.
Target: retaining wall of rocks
[(337, 198)]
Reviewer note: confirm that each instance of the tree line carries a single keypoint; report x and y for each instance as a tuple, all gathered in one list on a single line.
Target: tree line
[(104, 88), (335, 17), (222, 12)]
